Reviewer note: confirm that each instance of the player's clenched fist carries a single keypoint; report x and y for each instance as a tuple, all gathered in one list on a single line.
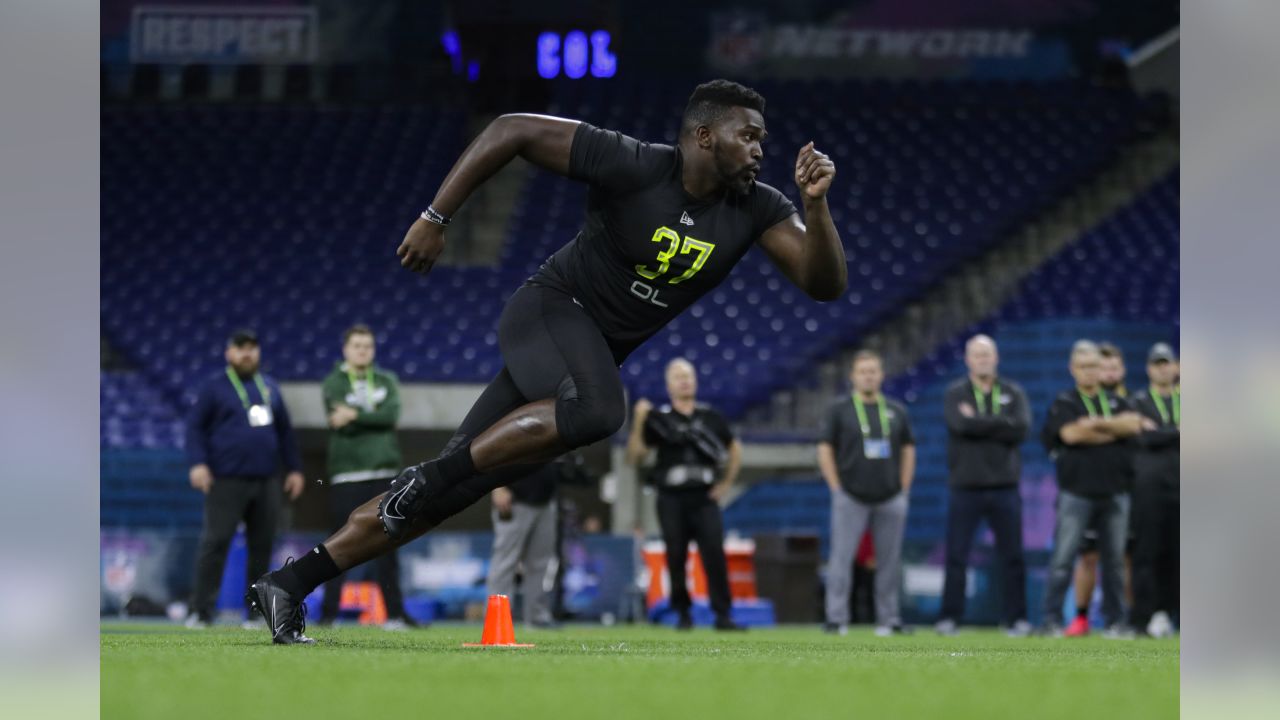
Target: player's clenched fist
[(814, 172)]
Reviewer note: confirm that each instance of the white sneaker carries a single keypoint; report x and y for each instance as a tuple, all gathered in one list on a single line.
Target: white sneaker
[(1161, 626), (1118, 631), (945, 627), (195, 623), (1021, 628), (395, 625), (254, 625)]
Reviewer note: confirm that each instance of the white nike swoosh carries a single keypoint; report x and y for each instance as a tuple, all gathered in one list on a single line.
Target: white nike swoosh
[(394, 503)]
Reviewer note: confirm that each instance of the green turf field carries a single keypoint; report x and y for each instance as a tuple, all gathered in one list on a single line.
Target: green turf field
[(161, 671)]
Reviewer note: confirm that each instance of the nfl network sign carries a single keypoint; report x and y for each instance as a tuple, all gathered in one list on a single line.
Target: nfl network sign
[(222, 34)]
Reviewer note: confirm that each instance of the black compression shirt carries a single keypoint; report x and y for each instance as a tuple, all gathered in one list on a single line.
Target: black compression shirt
[(649, 249)]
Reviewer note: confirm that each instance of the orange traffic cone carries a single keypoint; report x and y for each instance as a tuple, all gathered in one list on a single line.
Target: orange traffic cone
[(498, 630)]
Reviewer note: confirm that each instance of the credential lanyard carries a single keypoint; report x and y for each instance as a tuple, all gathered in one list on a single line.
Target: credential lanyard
[(1102, 400), (861, 410), (1176, 402), (368, 379), (244, 396), (995, 399), (368, 385)]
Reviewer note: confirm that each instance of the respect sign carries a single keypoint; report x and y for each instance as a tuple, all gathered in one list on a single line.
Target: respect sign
[(223, 35)]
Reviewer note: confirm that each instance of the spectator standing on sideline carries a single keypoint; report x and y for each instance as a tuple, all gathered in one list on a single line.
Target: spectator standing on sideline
[(238, 436), (1087, 433), (697, 462), (1155, 496), (1111, 370), (987, 419), (524, 535), (867, 456), (363, 403), (1111, 376)]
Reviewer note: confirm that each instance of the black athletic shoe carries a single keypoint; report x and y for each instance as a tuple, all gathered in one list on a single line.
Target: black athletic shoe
[(407, 497), (286, 617), (685, 622), (727, 625)]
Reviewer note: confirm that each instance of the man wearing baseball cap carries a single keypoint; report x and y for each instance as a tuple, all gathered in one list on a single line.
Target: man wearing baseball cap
[(1155, 495), (238, 437)]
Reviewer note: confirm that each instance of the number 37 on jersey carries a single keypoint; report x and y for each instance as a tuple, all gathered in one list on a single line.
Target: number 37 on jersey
[(675, 245)]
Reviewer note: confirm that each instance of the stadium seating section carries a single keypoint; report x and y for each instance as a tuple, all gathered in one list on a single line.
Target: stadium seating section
[(285, 218), (1119, 282)]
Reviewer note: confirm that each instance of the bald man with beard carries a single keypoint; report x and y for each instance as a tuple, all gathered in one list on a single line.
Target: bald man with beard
[(987, 419)]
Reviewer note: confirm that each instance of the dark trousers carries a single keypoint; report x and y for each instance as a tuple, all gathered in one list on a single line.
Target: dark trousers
[(692, 515), (1002, 509), (1075, 514), (343, 498), (1155, 555), (257, 502)]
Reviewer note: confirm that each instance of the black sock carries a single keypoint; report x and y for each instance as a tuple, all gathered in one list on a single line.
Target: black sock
[(307, 573), (1082, 612), (457, 465)]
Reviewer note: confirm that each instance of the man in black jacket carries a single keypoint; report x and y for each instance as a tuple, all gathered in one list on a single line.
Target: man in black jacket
[(987, 419), (1155, 495), (1087, 433)]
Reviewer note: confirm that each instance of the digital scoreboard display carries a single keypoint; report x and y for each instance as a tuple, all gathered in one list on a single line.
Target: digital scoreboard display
[(532, 51), (576, 54)]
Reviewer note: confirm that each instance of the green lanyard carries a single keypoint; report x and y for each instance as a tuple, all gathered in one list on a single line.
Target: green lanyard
[(1176, 397), (1102, 400), (995, 399), (862, 415), (244, 396), (368, 379), (368, 385)]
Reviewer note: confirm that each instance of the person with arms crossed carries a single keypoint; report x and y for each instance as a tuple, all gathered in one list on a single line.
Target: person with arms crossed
[(665, 224), (238, 436), (1111, 376), (867, 456), (987, 419), (697, 462), (1156, 496), (1087, 433), (363, 402)]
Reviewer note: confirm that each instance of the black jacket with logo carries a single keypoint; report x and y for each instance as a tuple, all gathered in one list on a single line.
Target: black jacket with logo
[(1090, 470), (982, 451)]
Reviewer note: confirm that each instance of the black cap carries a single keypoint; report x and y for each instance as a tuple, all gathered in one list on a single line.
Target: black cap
[(243, 336), (1161, 352)]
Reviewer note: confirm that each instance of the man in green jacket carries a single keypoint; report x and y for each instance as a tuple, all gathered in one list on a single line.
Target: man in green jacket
[(363, 403)]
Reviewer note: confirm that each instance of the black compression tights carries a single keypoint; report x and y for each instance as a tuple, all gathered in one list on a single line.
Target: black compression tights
[(551, 349)]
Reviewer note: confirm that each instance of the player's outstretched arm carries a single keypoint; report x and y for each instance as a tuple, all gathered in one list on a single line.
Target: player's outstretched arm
[(541, 139), (809, 252)]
